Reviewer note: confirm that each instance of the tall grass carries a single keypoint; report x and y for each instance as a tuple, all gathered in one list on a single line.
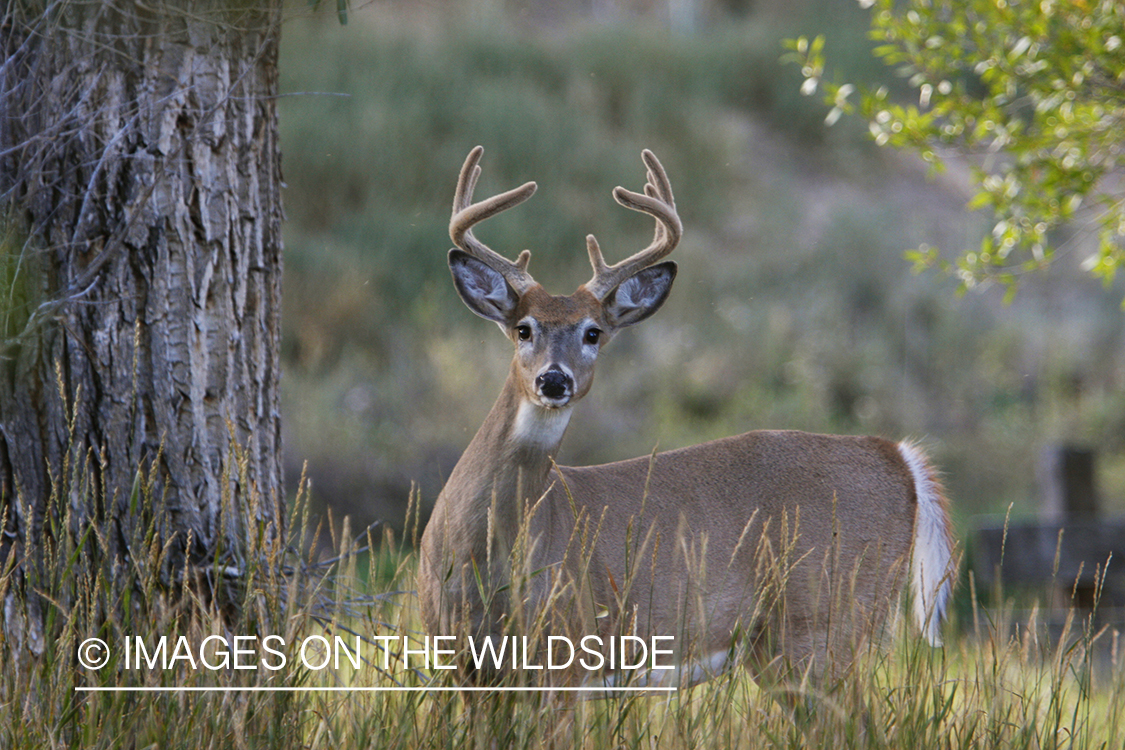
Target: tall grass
[(998, 682), (92, 573)]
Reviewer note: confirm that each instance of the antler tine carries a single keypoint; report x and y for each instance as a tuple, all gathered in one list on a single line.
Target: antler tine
[(466, 214), (658, 202)]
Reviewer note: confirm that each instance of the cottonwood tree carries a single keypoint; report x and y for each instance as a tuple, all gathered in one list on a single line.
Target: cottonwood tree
[(1032, 91), (140, 278)]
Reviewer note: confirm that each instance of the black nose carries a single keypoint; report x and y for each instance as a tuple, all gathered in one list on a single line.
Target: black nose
[(553, 384)]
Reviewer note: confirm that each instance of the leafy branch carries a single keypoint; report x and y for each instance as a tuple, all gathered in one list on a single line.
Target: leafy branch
[(1033, 93)]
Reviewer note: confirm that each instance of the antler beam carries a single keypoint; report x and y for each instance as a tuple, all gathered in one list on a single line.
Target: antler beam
[(658, 202), (466, 214)]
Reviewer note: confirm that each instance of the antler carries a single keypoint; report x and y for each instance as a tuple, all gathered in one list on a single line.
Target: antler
[(466, 214), (657, 202)]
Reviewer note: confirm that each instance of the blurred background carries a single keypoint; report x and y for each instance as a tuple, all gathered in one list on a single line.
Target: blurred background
[(794, 306)]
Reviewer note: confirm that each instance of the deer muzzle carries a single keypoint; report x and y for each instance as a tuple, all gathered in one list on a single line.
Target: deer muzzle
[(554, 387)]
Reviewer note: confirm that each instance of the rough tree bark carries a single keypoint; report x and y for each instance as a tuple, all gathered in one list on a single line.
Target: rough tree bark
[(140, 273)]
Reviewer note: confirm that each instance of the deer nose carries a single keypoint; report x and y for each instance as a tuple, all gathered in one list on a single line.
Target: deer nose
[(554, 384)]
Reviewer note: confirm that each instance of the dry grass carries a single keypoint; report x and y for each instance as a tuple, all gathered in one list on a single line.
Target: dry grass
[(986, 688)]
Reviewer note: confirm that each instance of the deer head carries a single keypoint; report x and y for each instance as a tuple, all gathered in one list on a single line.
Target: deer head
[(558, 338)]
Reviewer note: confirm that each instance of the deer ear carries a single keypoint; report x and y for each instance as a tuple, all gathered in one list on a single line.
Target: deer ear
[(483, 289), (640, 295)]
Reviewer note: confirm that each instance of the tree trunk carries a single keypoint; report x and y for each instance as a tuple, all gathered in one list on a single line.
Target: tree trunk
[(140, 276)]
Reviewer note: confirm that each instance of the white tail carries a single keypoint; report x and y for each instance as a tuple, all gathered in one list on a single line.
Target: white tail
[(780, 550), (932, 559)]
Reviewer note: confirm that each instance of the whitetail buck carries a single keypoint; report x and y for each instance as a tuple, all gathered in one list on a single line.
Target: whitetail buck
[(780, 550)]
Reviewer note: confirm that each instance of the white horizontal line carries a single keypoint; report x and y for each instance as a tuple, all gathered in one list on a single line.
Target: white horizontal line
[(391, 689)]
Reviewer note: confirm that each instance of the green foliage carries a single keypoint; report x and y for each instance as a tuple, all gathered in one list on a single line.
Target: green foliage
[(1034, 92)]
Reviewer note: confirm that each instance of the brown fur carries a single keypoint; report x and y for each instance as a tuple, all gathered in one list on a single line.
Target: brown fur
[(781, 550)]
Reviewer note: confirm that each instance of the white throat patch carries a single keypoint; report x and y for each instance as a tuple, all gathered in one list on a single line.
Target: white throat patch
[(539, 427)]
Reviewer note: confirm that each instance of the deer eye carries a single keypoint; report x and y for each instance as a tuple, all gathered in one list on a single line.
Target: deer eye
[(593, 335), (523, 332)]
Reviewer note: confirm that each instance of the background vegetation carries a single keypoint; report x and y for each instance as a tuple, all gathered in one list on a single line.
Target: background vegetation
[(794, 308)]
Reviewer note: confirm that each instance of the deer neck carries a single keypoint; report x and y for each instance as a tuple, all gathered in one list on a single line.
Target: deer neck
[(504, 468)]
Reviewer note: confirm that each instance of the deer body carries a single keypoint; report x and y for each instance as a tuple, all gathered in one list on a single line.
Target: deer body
[(780, 549)]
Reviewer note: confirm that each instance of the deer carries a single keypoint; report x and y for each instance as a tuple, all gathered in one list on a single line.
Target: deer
[(779, 551)]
